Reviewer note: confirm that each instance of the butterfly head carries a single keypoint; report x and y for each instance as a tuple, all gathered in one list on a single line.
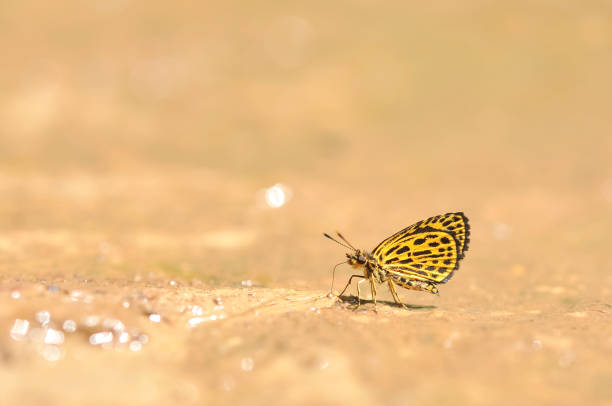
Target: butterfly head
[(357, 258)]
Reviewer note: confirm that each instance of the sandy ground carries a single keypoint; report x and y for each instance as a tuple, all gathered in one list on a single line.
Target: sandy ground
[(167, 171)]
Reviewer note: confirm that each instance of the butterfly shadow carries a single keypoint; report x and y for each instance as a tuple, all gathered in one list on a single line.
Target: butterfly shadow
[(353, 300)]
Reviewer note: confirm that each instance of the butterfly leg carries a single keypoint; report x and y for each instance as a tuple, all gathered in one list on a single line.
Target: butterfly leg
[(359, 293), (394, 293), (349, 282), (373, 289)]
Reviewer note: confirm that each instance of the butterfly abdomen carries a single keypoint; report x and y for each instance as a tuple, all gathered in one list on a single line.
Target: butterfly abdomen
[(416, 285)]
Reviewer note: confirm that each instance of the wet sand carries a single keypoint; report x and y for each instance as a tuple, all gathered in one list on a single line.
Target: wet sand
[(255, 345)]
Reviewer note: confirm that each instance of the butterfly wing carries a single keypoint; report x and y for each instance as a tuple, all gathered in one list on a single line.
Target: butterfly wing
[(429, 250), (454, 223), (426, 255)]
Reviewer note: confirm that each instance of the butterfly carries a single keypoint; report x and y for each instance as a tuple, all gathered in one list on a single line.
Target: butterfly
[(419, 257)]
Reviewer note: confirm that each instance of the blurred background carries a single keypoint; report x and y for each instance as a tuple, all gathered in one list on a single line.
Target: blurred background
[(212, 143)]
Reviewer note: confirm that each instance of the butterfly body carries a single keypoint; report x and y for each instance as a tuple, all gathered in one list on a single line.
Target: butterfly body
[(371, 267), (418, 257), (374, 271)]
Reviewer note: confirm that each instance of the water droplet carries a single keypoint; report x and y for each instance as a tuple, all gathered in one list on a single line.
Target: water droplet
[(76, 295), (125, 303), (113, 324), (124, 337), (19, 331), (195, 321), (15, 294), (91, 321), (154, 317), (172, 283), (536, 345), (51, 353), (247, 283), (135, 346), (55, 337), (103, 337), (218, 301), (69, 326), (247, 364), (197, 311), (43, 317), (277, 196), (321, 363)]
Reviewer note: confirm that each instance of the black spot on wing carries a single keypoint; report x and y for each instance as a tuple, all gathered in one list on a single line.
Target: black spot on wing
[(402, 250), (390, 251), (428, 232)]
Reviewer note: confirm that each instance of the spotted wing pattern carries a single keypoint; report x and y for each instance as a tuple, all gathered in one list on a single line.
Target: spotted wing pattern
[(429, 250), (425, 255), (454, 223)]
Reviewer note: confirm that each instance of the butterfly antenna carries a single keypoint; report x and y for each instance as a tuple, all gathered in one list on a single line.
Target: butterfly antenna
[(345, 240), (331, 290), (338, 242)]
